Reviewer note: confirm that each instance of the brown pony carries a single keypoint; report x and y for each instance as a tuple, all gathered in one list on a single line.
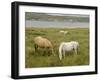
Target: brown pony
[(40, 42)]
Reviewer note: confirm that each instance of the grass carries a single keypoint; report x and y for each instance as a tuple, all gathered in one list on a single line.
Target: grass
[(38, 59)]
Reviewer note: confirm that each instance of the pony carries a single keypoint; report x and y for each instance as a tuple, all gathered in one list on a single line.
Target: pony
[(64, 32), (68, 46), (40, 42)]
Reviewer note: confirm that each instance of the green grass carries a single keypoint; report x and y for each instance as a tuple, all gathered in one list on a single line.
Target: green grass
[(38, 59)]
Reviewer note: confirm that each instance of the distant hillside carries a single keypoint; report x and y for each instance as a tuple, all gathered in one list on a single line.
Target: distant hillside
[(56, 17)]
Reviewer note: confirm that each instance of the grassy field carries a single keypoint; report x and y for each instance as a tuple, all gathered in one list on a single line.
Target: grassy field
[(38, 59)]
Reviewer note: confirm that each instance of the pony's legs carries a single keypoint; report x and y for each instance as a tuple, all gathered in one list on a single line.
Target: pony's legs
[(35, 47), (60, 53)]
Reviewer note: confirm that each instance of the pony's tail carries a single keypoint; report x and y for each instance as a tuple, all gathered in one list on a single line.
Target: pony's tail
[(60, 51)]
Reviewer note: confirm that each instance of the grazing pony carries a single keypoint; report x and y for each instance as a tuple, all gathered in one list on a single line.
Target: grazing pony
[(40, 42), (68, 46), (64, 32)]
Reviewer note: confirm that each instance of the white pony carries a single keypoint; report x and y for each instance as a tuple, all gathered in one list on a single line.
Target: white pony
[(64, 32), (68, 46)]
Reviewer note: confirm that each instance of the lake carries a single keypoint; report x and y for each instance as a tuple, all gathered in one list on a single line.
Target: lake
[(56, 24)]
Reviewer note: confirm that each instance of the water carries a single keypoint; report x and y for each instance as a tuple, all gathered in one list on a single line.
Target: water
[(55, 24)]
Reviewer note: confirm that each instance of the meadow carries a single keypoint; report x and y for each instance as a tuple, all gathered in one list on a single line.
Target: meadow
[(38, 59)]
